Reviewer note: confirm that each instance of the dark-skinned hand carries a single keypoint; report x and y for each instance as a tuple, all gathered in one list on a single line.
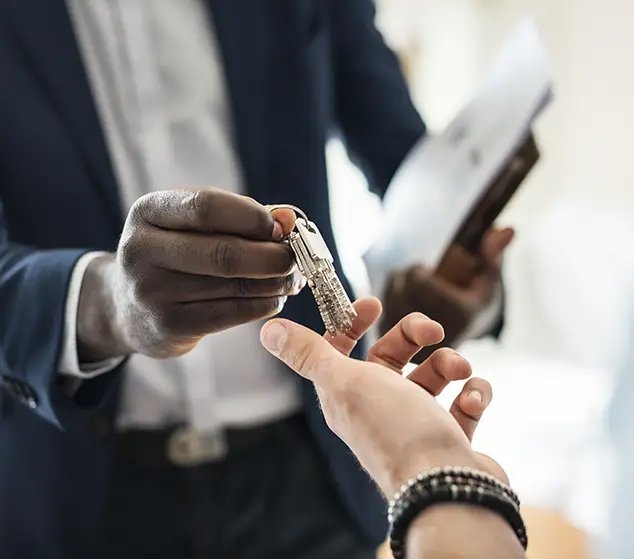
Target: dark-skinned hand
[(462, 286), (190, 262)]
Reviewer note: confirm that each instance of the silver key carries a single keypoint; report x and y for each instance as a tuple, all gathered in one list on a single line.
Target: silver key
[(316, 264)]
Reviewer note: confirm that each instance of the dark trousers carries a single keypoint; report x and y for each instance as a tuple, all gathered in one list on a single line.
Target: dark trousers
[(271, 501)]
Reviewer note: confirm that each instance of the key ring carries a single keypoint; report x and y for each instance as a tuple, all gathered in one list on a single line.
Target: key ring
[(295, 209)]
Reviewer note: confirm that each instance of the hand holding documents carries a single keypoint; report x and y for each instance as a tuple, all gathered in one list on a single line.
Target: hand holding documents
[(452, 187)]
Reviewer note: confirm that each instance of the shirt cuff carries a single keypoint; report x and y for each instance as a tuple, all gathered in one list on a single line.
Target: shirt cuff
[(69, 360), (487, 319)]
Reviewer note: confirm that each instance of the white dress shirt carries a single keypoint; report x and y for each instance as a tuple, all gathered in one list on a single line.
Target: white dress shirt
[(159, 88)]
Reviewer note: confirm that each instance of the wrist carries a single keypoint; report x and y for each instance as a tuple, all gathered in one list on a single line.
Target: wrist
[(456, 531), (457, 455), (99, 336)]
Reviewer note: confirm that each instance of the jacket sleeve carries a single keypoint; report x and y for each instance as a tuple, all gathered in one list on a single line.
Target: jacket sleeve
[(33, 288), (373, 107)]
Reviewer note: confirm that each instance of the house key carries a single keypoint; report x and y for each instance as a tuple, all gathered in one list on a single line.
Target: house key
[(316, 264)]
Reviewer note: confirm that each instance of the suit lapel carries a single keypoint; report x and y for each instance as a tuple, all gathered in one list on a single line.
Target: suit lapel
[(243, 32), (44, 33)]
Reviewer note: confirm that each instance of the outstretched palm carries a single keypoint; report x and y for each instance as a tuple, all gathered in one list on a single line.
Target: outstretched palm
[(393, 427)]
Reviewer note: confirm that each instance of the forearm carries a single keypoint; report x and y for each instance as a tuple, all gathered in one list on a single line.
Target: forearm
[(33, 289), (462, 532), (97, 336), (372, 101)]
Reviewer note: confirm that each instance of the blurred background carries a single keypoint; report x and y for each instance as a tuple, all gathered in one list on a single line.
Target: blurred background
[(570, 271)]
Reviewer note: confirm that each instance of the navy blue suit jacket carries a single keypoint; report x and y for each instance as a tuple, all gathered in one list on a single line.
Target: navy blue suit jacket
[(297, 70)]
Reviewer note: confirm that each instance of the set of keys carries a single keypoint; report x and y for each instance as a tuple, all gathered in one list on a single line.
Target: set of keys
[(316, 264)]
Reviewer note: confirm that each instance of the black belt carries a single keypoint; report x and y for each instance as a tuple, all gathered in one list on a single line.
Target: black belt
[(183, 446)]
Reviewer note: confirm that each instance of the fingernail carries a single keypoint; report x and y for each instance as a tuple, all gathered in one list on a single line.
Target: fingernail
[(475, 395), (278, 232), (274, 337), (281, 301), (419, 319)]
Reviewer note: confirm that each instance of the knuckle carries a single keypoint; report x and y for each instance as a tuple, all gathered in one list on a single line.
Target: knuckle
[(130, 252), (301, 359), (256, 308), (183, 251), (202, 204), (141, 207), (228, 257), (279, 287), (241, 287)]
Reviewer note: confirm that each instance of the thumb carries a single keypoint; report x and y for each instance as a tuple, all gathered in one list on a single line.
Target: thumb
[(494, 244), (303, 350), (286, 218)]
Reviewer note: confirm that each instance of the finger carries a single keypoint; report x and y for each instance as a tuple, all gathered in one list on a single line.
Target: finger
[(493, 245), (428, 287), (396, 348), (200, 318), (286, 218), (439, 369), (368, 311), (224, 256), (470, 404), (397, 282), (176, 287), (208, 210), (303, 350), (446, 302), (458, 265)]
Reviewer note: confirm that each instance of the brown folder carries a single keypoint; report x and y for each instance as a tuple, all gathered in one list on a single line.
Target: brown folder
[(501, 190), (494, 198)]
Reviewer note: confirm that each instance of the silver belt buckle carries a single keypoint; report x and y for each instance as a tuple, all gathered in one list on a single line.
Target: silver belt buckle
[(187, 448)]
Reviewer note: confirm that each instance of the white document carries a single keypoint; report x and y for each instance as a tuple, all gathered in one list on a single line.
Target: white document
[(443, 177)]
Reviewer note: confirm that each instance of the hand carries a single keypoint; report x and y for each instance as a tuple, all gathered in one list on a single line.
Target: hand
[(189, 263), (462, 286), (393, 425)]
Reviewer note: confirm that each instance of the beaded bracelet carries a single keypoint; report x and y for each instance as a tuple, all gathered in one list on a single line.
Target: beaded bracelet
[(451, 485)]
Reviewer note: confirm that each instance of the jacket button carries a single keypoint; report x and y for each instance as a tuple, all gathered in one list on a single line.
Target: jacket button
[(21, 392), (29, 396)]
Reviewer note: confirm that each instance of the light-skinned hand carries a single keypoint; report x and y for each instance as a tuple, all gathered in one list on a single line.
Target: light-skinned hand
[(393, 424)]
